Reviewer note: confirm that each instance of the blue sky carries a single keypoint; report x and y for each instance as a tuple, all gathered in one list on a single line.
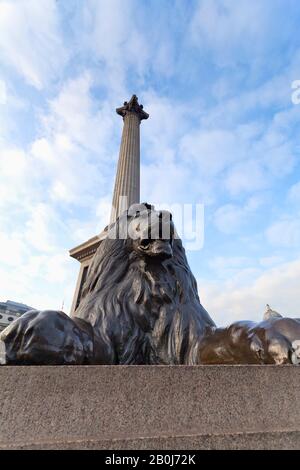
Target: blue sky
[(215, 76)]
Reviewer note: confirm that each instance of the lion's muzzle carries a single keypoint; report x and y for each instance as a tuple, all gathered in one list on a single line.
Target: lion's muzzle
[(160, 248)]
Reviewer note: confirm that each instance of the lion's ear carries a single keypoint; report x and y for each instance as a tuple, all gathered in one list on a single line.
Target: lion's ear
[(136, 209), (149, 207)]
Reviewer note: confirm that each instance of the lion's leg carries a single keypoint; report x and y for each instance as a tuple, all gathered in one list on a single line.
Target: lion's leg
[(46, 337), (274, 341), (232, 345)]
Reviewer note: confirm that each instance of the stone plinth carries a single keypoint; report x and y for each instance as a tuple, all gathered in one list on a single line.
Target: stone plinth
[(150, 407)]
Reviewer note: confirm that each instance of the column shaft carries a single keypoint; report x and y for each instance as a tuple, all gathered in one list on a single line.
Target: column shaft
[(127, 183)]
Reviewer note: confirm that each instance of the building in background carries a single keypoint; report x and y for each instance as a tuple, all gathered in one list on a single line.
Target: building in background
[(10, 311)]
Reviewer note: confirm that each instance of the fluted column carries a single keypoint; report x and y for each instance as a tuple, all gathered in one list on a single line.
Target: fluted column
[(127, 183)]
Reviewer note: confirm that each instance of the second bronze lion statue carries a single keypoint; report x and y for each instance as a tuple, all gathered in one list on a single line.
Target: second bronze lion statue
[(140, 305)]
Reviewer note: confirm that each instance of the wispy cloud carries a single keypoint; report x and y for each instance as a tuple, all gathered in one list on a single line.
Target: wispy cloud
[(31, 40), (245, 295)]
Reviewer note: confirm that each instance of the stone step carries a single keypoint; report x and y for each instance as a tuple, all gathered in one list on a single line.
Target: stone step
[(150, 407)]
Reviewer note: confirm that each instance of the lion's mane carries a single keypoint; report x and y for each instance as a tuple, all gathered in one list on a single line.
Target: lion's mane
[(143, 311)]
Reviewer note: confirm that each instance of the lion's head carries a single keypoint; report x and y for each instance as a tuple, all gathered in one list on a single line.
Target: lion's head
[(140, 295), (152, 233)]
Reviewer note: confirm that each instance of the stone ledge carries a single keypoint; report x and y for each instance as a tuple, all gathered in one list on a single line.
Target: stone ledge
[(150, 407), (239, 441)]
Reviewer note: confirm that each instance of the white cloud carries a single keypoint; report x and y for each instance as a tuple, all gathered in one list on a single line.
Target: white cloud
[(241, 159), (236, 32), (224, 26), (211, 151), (41, 227), (162, 131), (235, 300), (165, 177), (15, 173), (271, 261), (13, 164), (294, 193), (76, 118), (67, 164), (30, 39), (230, 218), (73, 151), (233, 267), (12, 249), (3, 92), (247, 176), (210, 154), (222, 262), (110, 31), (41, 281), (285, 232), (165, 182)]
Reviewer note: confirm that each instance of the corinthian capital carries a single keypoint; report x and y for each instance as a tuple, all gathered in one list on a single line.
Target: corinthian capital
[(132, 106)]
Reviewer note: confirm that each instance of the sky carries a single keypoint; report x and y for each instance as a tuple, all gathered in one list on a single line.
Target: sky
[(216, 78)]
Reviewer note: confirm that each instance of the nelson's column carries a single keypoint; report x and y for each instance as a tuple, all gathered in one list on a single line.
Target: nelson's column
[(126, 190)]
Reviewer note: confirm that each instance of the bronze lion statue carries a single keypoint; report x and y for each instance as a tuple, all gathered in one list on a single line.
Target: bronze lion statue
[(140, 305)]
